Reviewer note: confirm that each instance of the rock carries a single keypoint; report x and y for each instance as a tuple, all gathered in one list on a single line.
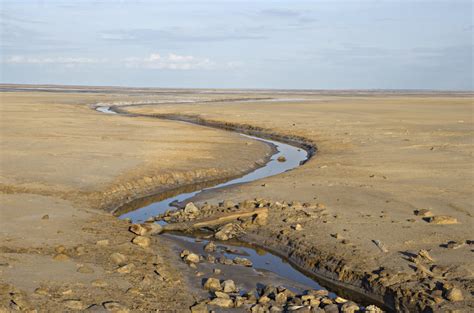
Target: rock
[(147, 280), (373, 309), (85, 269), (142, 241), (74, 304), (126, 268), (349, 307), (61, 257), (220, 294), (281, 298), (190, 208), (228, 286), (423, 213), (454, 294), (258, 308), (45, 217), (104, 242), (212, 284), (99, 283), (331, 308), (222, 302), (146, 229), (336, 235), (281, 159), (242, 261), (340, 300), (199, 308), (225, 232), (210, 247), (297, 227), (217, 271), (115, 307), (118, 258), (191, 258), (454, 245), (441, 220), (264, 300)]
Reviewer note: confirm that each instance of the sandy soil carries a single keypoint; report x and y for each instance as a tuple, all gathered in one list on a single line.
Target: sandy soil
[(60, 163), (380, 158)]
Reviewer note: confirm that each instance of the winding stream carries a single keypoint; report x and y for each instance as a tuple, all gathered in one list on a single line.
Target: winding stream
[(267, 268)]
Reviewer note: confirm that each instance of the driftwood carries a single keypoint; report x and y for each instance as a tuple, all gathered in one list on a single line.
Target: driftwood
[(216, 220)]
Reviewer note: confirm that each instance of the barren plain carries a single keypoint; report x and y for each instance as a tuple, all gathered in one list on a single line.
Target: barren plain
[(393, 175)]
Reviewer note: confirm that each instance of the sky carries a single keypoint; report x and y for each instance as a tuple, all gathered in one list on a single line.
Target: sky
[(402, 44)]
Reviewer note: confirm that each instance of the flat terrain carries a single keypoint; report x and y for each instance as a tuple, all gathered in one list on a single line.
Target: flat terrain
[(380, 157), (61, 162)]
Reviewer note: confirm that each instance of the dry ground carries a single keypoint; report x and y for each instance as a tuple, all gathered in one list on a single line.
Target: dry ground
[(381, 156), (60, 163)]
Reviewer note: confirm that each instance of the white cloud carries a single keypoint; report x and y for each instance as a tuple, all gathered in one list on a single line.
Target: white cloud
[(170, 62), (69, 61)]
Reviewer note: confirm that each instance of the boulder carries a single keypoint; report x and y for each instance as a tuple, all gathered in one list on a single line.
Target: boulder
[(212, 284), (142, 241), (228, 286)]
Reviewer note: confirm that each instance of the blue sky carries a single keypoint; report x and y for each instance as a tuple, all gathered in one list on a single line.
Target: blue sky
[(239, 44)]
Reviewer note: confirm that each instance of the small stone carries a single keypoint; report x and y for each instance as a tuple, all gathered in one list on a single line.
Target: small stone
[(74, 304), (349, 307), (118, 258), (297, 227), (126, 268), (212, 284), (85, 269), (373, 309), (336, 235), (210, 247), (199, 308), (242, 261), (45, 217), (220, 294), (99, 283), (423, 213), (104, 242), (115, 307), (454, 294), (61, 257), (228, 286), (222, 302), (281, 298), (191, 258), (217, 271), (142, 241), (441, 220), (190, 208), (281, 159), (263, 300)]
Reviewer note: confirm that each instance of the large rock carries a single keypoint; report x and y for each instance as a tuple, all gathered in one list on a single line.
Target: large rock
[(212, 284), (454, 294), (228, 286), (146, 229), (142, 241), (191, 258), (190, 208), (199, 308), (441, 220), (222, 302)]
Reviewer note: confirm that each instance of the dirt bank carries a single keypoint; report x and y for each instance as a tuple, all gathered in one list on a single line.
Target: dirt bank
[(62, 166), (381, 157)]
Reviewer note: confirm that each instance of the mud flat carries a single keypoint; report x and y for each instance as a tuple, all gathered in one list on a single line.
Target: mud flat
[(394, 175), (63, 166)]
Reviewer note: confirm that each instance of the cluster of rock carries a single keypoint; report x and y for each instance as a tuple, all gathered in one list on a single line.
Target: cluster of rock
[(269, 298), (192, 258)]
